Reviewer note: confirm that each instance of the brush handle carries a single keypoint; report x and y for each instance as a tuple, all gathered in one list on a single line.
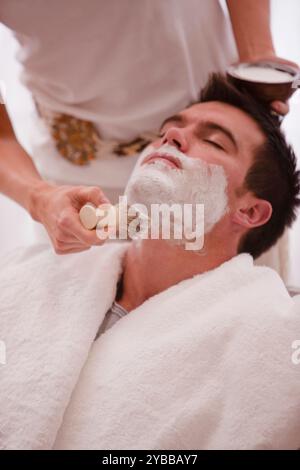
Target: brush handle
[(89, 217)]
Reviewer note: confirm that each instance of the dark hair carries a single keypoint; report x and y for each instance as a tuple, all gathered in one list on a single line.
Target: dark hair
[(272, 175)]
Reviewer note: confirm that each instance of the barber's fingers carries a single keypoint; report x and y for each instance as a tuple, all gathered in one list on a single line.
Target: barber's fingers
[(280, 107), (69, 226), (91, 194), (85, 194), (69, 239), (62, 246), (70, 249), (66, 234)]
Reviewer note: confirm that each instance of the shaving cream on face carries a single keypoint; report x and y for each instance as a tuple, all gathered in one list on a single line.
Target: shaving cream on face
[(263, 74), (197, 182)]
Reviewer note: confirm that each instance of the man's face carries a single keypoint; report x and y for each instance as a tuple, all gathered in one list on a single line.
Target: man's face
[(202, 156), (216, 133)]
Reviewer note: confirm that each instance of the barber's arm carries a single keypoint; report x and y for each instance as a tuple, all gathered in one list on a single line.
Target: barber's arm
[(56, 207), (250, 21)]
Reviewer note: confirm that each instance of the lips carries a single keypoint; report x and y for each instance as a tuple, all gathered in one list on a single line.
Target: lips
[(172, 161)]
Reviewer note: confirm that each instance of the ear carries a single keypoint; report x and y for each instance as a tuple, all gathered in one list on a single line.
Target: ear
[(259, 213)]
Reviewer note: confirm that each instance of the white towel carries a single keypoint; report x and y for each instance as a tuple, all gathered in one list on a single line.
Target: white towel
[(205, 364), (50, 310)]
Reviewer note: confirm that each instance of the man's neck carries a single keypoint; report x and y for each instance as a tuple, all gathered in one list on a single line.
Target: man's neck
[(152, 266)]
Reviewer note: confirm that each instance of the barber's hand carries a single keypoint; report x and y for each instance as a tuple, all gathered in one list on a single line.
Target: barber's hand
[(280, 107), (57, 208)]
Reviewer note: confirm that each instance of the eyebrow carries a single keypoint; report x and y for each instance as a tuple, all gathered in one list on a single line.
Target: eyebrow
[(179, 119)]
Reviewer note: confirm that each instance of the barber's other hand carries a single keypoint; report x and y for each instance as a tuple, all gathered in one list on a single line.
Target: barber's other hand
[(57, 208), (280, 107)]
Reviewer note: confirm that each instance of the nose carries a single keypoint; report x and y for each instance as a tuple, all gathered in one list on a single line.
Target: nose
[(176, 137)]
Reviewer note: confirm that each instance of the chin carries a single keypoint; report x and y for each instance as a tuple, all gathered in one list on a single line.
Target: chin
[(148, 190)]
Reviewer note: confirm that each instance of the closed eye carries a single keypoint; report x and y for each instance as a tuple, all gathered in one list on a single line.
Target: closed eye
[(211, 142), (215, 144)]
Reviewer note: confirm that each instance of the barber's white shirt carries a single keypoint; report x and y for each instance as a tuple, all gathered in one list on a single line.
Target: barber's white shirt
[(123, 64)]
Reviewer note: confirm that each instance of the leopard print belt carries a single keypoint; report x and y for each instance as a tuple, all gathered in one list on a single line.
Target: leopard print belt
[(79, 141)]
